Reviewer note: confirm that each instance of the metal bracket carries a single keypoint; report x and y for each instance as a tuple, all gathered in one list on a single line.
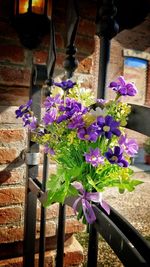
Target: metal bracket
[(32, 158), (34, 188)]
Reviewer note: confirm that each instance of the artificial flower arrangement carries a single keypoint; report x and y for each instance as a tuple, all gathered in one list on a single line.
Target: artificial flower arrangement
[(86, 138)]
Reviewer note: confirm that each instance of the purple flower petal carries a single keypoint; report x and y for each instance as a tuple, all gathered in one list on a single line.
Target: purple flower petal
[(122, 80), (65, 85), (108, 120), (94, 157)]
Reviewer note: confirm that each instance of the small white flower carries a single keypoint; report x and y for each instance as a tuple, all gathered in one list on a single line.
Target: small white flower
[(99, 112)]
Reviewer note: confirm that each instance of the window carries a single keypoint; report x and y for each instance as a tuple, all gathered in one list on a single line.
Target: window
[(135, 69)]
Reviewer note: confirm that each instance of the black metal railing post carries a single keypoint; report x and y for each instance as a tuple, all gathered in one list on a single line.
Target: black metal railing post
[(92, 247), (106, 28), (70, 62), (32, 172), (50, 71), (60, 236), (43, 213)]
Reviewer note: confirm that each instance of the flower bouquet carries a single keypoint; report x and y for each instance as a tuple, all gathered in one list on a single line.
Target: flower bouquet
[(86, 138)]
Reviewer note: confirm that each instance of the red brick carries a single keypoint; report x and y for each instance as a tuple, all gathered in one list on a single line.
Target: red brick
[(52, 169), (7, 31), (52, 212), (60, 60), (12, 54), (17, 262), (86, 27), (11, 234), (90, 11), (85, 45), (59, 40), (11, 135), (74, 226), (85, 65), (45, 42), (11, 176), (10, 215), (7, 155), (40, 57), (14, 96), (50, 229), (73, 254), (15, 76), (11, 195)]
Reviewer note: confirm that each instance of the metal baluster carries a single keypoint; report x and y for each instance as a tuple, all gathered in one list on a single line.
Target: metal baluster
[(71, 63), (52, 55), (43, 213), (50, 70), (32, 172), (106, 29), (60, 236), (103, 63), (92, 247)]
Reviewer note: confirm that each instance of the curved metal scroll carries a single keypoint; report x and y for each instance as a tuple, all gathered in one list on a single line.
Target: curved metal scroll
[(71, 63), (52, 55)]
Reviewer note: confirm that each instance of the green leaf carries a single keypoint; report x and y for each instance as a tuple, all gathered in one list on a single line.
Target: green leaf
[(136, 182), (58, 196), (91, 182), (121, 190), (54, 182)]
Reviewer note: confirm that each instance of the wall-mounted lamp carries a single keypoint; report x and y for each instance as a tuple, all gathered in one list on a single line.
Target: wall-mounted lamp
[(32, 20)]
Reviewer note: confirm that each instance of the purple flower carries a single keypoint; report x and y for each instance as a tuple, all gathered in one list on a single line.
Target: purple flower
[(51, 101), (94, 157), (123, 88), (76, 122), (61, 118), (50, 116), (65, 85), (30, 121), (129, 145), (26, 119), (69, 109), (49, 150), (85, 198), (87, 134), (23, 109), (108, 127), (116, 157), (33, 123)]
